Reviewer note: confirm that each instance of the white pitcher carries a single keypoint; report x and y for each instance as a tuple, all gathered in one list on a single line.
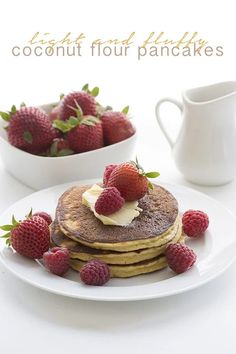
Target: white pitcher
[(205, 149)]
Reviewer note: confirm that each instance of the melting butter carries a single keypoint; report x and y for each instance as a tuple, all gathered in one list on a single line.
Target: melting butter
[(122, 217)]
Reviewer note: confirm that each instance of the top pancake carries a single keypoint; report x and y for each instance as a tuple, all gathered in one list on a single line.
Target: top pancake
[(160, 211)]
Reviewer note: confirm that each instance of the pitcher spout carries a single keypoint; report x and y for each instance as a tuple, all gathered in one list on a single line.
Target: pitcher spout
[(210, 94)]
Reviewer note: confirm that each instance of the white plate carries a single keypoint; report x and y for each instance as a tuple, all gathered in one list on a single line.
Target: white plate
[(215, 251)]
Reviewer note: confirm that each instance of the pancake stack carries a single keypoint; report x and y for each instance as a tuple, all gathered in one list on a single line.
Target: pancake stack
[(128, 250)]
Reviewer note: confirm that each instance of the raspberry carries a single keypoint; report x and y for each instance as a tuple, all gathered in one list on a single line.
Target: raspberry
[(44, 216), (109, 201), (195, 223), (180, 257), (56, 260), (95, 272), (108, 170)]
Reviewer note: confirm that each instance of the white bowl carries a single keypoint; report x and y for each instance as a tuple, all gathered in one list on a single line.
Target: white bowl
[(40, 172)]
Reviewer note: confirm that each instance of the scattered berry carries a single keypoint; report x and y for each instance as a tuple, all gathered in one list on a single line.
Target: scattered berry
[(116, 127), (44, 215), (30, 129), (107, 173), (195, 223), (86, 136), (130, 179), (78, 103), (95, 272), (29, 238), (56, 260), (109, 201), (180, 257)]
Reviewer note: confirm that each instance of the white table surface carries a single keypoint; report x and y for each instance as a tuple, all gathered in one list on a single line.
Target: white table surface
[(32, 321)]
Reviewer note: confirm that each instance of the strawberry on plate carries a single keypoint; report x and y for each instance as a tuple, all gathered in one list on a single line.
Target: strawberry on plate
[(131, 180), (30, 237), (29, 129), (116, 126)]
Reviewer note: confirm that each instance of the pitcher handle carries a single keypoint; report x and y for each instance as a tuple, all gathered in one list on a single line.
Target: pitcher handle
[(158, 117)]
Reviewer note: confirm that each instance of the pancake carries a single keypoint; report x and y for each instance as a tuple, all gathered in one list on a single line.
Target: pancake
[(131, 270), (85, 253), (156, 225)]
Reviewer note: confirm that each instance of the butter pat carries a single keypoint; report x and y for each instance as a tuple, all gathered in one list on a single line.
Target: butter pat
[(122, 217)]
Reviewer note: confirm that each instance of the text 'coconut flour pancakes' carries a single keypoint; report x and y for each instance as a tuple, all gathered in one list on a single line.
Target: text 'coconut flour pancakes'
[(129, 250)]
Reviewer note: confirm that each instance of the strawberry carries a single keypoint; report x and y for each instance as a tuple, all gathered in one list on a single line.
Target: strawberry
[(55, 113), (84, 134), (60, 147), (29, 129), (131, 180), (116, 127), (80, 102), (30, 237)]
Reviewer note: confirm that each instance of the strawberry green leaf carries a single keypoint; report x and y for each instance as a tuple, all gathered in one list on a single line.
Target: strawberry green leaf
[(22, 105), (14, 221), (65, 152), (13, 109), (30, 214), (90, 120), (6, 235), (150, 186), (73, 121), (87, 122), (78, 111), (28, 137), (6, 227), (8, 242), (85, 88), (95, 91), (53, 149), (125, 110), (5, 115), (62, 95), (63, 126), (152, 174)]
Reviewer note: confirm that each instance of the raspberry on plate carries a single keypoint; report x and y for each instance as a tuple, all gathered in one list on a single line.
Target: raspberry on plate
[(180, 257), (56, 260), (44, 215), (109, 201), (95, 272), (195, 223)]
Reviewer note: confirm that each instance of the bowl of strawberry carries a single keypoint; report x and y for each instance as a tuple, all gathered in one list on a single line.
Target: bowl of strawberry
[(72, 139)]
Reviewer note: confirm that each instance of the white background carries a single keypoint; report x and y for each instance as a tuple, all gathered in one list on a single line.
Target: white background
[(32, 321)]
